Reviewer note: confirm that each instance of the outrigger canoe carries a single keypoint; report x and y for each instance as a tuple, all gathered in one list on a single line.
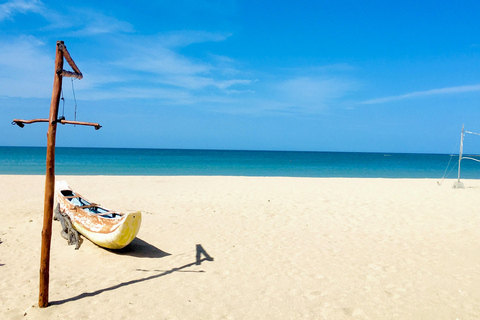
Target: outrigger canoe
[(104, 227)]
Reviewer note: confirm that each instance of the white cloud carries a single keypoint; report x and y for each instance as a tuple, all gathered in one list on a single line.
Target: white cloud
[(88, 22), (155, 57), (226, 65), (137, 92), (152, 62), (152, 58), (196, 82), (449, 90), (307, 95), (155, 67), (156, 54), (25, 68), (10, 8), (314, 92), (188, 37), (81, 22), (229, 83)]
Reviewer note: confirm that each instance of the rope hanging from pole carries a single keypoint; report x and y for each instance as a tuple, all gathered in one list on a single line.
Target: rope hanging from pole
[(74, 99), (63, 105)]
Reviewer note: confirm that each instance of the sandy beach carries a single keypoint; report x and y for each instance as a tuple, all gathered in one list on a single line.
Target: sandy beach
[(283, 248)]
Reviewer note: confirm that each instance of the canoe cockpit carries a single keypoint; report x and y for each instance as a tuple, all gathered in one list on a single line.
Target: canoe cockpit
[(85, 205)]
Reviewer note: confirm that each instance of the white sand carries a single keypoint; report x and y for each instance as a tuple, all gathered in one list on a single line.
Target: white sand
[(283, 248)]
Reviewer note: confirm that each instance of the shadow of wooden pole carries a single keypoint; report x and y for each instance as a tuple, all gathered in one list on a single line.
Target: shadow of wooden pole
[(198, 260)]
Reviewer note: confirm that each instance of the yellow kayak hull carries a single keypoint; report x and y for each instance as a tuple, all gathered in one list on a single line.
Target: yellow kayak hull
[(118, 239), (104, 227)]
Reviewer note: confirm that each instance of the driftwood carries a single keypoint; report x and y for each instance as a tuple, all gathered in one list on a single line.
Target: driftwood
[(68, 232)]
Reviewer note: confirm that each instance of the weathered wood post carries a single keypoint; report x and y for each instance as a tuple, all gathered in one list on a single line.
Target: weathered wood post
[(50, 178), (61, 53)]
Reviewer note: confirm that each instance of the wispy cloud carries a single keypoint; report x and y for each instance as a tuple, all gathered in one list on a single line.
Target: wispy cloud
[(299, 95), (139, 66), (11, 8), (433, 92), (77, 21), (228, 83), (156, 67), (313, 89), (81, 22), (314, 93), (188, 37), (149, 62), (87, 22), (198, 82), (158, 60), (226, 65), (151, 58), (158, 54), (26, 70)]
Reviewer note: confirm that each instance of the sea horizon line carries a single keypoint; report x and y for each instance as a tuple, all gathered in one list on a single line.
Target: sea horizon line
[(241, 150)]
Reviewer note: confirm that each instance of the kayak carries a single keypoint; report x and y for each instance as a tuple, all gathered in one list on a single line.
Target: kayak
[(104, 227)]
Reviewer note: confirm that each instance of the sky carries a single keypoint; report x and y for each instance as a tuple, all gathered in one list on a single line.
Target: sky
[(361, 76)]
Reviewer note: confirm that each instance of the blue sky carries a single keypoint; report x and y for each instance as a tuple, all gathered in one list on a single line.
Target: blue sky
[(374, 76)]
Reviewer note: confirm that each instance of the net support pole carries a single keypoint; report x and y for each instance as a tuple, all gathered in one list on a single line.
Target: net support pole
[(458, 184), (460, 153), (50, 179)]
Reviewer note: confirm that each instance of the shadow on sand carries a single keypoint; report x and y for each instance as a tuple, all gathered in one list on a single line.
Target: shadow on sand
[(198, 260), (141, 249)]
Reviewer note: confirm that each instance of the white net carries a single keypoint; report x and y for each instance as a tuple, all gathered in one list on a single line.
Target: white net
[(471, 146)]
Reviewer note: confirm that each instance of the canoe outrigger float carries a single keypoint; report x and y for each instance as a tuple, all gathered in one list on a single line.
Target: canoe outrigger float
[(104, 227)]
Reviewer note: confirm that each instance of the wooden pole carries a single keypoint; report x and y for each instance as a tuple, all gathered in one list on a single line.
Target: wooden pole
[(61, 53), (50, 178)]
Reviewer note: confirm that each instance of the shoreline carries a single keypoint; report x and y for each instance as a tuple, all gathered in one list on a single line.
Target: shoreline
[(92, 176), (283, 247)]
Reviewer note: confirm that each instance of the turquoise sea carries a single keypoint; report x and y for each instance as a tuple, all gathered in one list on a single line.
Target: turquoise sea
[(109, 161)]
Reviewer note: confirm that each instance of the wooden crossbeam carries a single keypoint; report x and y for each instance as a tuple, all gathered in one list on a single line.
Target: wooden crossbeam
[(69, 74), (76, 74), (21, 122)]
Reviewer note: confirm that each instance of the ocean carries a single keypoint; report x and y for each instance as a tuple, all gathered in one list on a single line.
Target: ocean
[(111, 161)]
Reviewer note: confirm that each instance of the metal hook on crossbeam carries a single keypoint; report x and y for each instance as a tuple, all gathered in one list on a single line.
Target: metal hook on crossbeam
[(18, 123)]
